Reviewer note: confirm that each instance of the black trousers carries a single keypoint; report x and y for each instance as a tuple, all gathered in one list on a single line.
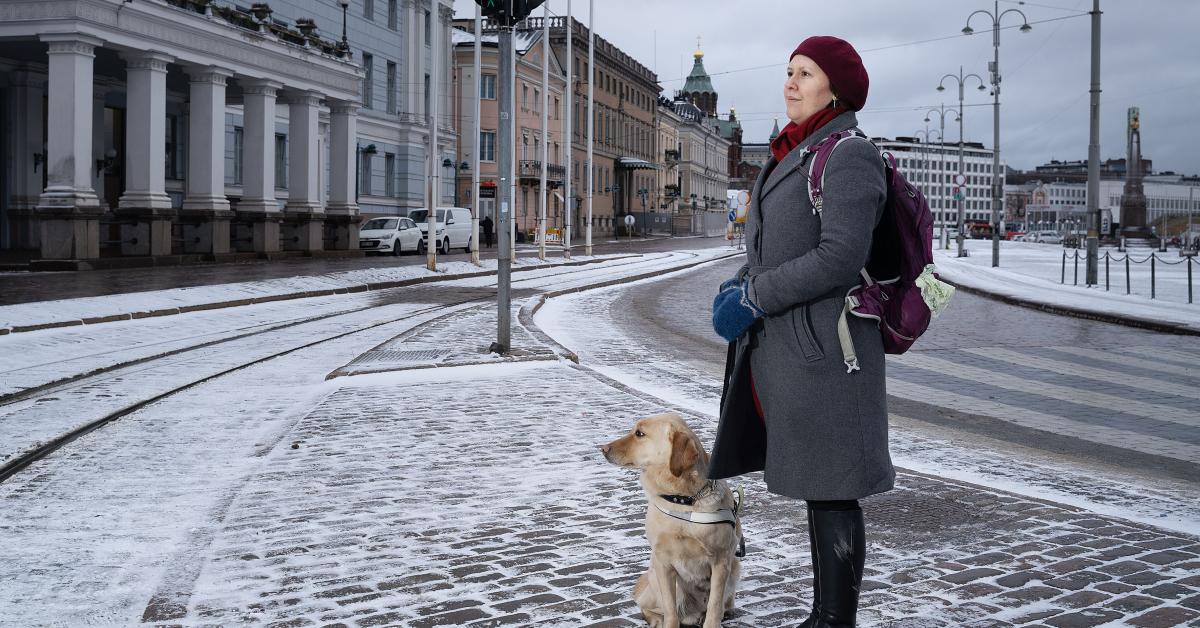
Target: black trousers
[(833, 506)]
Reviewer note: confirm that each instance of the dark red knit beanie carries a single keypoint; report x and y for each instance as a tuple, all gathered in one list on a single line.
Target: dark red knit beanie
[(841, 63)]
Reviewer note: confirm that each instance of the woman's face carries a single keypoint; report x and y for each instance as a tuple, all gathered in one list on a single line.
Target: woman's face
[(806, 90)]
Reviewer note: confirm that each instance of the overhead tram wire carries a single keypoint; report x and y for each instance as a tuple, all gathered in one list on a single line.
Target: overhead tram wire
[(881, 48)]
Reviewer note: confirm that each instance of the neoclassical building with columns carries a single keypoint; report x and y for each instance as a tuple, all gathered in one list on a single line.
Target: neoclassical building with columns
[(153, 128)]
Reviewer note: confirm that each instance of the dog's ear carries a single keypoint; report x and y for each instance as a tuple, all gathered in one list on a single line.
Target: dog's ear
[(684, 453)]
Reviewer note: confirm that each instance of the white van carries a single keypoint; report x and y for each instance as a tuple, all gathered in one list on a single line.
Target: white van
[(453, 228), (1048, 237)]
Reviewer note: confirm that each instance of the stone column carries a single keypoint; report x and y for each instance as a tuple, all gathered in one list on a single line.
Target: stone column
[(304, 212), (145, 208), (258, 202), (206, 211), (342, 210), (68, 209)]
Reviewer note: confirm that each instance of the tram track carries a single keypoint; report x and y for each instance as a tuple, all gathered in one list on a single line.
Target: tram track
[(144, 368)]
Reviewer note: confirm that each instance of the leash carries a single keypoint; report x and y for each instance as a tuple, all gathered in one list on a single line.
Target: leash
[(723, 515)]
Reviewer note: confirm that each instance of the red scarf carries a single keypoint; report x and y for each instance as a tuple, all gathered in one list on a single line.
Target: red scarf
[(792, 134)]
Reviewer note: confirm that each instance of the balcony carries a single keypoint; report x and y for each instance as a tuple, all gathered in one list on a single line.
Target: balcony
[(671, 191), (530, 171), (671, 156)]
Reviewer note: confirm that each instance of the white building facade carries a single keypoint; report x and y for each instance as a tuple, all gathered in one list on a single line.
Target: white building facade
[(932, 168), (1062, 206), (196, 127)]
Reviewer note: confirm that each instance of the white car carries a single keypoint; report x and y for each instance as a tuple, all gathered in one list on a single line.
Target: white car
[(393, 235), (453, 228), (1048, 237)]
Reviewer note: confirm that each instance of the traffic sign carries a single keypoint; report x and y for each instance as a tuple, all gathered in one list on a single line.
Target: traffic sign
[(732, 215), (628, 220), (958, 194), (960, 179)]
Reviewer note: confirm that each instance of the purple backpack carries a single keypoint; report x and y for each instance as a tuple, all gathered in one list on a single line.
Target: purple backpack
[(901, 251)]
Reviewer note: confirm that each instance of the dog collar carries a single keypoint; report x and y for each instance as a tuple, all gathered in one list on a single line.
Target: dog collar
[(688, 500)]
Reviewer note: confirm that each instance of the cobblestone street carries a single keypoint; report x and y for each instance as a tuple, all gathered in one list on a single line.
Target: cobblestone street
[(426, 484)]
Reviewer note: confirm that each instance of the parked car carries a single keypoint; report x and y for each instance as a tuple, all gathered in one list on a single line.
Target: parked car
[(394, 234), (453, 228), (1048, 237)]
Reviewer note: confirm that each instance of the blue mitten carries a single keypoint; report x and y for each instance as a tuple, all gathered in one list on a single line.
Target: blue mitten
[(729, 283), (734, 312)]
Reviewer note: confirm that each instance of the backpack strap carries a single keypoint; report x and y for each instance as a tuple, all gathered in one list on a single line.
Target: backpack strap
[(821, 152)]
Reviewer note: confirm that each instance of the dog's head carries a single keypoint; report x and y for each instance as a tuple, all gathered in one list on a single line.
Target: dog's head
[(662, 441)]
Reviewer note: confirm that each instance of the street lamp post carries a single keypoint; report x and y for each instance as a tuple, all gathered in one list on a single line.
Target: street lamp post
[(941, 111), (962, 204), (994, 69), (345, 43)]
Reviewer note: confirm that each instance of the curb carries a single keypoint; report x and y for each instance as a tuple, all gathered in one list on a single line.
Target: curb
[(1063, 310), (383, 285)]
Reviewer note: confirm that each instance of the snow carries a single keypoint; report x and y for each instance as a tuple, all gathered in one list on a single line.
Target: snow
[(140, 303), (1031, 272)]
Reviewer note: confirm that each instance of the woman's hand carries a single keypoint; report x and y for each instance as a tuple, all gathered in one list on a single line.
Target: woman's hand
[(733, 311)]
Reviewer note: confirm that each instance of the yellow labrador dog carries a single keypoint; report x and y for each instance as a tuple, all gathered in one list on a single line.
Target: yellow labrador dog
[(691, 523)]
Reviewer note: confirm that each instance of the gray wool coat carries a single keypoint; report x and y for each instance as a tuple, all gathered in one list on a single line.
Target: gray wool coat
[(825, 432)]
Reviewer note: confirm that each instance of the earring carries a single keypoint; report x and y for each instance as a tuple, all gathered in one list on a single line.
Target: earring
[(835, 101)]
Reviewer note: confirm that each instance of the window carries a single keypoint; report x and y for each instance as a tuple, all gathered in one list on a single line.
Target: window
[(369, 9), (427, 90), (391, 87), (428, 27), (280, 160), (174, 165), (392, 14), (239, 145), (524, 96), (555, 111), (537, 99), (364, 171), (487, 86), (487, 146), (524, 146), (389, 171), (368, 90)]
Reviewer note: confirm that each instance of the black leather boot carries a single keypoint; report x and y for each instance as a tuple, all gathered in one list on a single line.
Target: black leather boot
[(837, 539)]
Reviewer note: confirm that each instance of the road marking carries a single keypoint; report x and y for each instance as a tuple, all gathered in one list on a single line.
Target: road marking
[(1088, 372), (1045, 422), (1161, 353), (1091, 398), (1149, 365)]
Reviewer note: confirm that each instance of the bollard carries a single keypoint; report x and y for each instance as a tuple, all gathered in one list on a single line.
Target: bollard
[(1106, 272), (1189, 263), (1126, 273), (1077, 268), (1063, 278), (1152, 258)]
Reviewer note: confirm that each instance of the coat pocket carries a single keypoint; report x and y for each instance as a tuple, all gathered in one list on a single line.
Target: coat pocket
[(806, 337)]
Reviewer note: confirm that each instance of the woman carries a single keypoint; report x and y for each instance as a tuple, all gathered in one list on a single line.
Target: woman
[(790, 408)]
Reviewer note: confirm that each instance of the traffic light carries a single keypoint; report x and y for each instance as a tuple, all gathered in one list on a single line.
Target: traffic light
[(507, 12)]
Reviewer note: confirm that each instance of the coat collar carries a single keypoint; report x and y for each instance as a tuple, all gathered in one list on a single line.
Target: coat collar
[(795, 159)]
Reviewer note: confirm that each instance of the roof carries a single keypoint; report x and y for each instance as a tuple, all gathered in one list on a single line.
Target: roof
[(633, 163), (726, 127), (698, 81), (523, 40)]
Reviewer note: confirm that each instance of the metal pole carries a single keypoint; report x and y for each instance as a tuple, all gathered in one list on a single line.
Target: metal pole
[(545, 101), (505, 148), (591, 123), (997, 186), (569, 133), (1093, 189), (962, 202), (478, 139), (435, 166)]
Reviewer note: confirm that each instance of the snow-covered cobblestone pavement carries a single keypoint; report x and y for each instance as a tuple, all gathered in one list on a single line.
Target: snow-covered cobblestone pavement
[(473, 495)]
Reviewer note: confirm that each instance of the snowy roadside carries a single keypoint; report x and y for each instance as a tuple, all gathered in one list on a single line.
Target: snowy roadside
[(88, 310), (1029, 274)]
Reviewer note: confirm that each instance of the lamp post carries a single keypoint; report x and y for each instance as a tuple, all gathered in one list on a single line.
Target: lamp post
[(941, 111), (345, 43), (962, 205), (994, 69)]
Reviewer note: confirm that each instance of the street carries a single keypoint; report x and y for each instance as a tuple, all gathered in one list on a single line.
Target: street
[(383, 469)]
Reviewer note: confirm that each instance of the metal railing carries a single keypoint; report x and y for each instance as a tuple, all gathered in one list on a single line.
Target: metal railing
[(1186, 257)]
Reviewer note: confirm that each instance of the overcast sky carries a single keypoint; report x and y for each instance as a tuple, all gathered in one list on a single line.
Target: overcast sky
[(1150, 58)]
